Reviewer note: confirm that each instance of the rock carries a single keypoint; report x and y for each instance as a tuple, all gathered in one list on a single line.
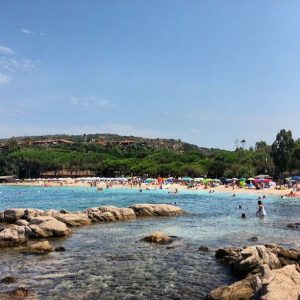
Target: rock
[(268, 284), (240, 290), (17, 294), (149, 210), (119, 213), (294, 225), (63, 211), (253, 239), (203, 249), (281, 284), (2, 227), (12, 236), (60, 249), (51, 213), (2, 219), (228, 255), (275, 273), (158, 238), (8, 280), (30, 213), (13, 214), (43, 247), (286, 256), (247, 260), (22, 222), (74, 219), (106, 217), (44, 226)]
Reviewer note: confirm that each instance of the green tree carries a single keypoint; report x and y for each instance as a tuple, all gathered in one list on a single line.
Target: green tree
[(282, 150)]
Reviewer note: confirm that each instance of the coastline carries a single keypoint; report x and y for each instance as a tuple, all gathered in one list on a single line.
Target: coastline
[(170, 188)]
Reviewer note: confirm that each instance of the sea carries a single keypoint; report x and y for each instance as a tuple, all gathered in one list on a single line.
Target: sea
[(110, 260)]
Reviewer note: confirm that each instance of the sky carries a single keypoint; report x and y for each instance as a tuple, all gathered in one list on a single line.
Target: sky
[(206, 72)]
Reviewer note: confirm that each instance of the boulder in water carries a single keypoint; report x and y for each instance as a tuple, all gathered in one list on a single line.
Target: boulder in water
[(13, 235), (294, 225), (203, 249), (41, 247), (60, 249), (253, 239), (74, 219), (158, 238), (8, 280), (44, 226), (150, 210)]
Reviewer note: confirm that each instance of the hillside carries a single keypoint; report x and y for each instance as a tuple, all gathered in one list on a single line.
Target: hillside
[(114, 139)]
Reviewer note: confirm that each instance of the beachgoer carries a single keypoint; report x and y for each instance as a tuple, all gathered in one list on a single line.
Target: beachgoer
[(233, 195), (240, 206), (244, 216), (261, 210)]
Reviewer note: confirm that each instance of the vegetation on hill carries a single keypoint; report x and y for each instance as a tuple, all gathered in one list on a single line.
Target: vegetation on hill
[(113, 155)]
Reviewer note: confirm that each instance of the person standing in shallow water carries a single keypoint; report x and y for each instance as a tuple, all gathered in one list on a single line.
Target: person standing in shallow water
[(261, 210)]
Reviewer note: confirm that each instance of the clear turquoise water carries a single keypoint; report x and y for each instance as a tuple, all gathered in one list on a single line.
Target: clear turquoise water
[(108, 261)]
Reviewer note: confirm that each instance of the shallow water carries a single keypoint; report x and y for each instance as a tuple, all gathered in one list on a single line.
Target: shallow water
[(108, 261)]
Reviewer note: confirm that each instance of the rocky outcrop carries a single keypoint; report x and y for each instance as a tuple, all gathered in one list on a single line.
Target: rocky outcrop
[(150, 210), (13, 235), (270, 271), (44, 227), (36, 223), (248, 260)]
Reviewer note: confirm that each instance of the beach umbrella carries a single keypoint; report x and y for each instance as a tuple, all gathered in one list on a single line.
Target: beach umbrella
[(216, 180), (242, 179), (297, 178), (250, 179), (148, 180), (267, 180), (186, 179)]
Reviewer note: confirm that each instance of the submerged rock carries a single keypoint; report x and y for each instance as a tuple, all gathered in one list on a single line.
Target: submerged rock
[(9, 280), (203, 249), (60, 249), (18, 294), (158, 238), (253, 239), (294, 225)]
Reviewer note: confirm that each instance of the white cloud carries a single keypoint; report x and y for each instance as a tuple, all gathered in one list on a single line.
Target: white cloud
[(6, 51), (26, 31), (4, 79), (90, 101)]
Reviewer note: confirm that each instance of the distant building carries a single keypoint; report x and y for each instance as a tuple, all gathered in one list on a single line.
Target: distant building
[(52, 142)]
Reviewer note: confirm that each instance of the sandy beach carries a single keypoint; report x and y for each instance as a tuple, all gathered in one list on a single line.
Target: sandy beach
[(170, 187)]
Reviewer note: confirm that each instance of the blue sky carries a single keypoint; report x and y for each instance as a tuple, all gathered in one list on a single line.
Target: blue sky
[(207, 72)]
